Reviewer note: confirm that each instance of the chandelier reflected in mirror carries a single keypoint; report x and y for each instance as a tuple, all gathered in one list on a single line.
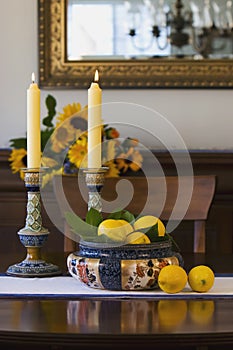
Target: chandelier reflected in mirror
[(205, 26)]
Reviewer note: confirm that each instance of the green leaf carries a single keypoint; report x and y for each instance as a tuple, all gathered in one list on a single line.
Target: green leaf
[(93, 217), (51, 107), (151, 232), (79, 226), (126, 215), (47, 121), (51, 103), (153, 235), (19, 143), (116, 215), (174, 244), (45, 135), (120, 214)]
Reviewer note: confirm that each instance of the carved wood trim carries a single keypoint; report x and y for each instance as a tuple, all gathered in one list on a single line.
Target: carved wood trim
[(55, 71)]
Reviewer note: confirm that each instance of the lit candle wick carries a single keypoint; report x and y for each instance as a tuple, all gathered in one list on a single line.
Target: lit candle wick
[(33, 78), (96, 77)]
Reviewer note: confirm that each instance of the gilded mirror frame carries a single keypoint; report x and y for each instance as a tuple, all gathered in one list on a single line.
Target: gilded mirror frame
[(56, 72)]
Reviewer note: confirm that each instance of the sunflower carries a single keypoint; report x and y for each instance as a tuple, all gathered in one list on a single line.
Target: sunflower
[(62, 136), (78, 151), (113, 170), (17, 161), (136, 161), (66, 135), (75, 116), (122, 164), (68, 111), (79, 121), (131, 160), (47, 177), (48, 162)]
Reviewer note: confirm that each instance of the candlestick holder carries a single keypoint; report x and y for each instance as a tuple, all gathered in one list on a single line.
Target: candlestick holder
[(94, 178), (33, 236)]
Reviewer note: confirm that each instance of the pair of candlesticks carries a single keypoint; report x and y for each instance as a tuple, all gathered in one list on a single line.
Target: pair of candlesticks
[(33, 236)]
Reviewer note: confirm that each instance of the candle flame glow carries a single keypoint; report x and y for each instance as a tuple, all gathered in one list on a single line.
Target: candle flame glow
[(33, 77), (96, 78)]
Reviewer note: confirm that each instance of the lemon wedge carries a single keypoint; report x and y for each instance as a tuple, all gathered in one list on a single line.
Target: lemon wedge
[(148, 221), (137, 237), (116, 230)]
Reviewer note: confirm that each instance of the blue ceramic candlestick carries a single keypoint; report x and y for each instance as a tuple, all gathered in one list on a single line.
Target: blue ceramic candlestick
[(33, 236), (95, 180)]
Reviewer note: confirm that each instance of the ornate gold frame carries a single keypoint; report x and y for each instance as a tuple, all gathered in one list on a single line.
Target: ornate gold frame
[(55, 71)]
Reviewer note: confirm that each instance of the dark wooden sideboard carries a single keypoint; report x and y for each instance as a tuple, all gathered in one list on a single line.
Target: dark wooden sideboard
[(219, 226)]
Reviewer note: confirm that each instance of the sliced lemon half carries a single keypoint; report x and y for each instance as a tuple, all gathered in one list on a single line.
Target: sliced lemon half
[(137, 237), (148, 221), (116, 230)]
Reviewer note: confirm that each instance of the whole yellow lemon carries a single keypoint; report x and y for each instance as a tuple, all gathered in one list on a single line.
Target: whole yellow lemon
[(201, 278), (117, 230), (148, 221), (172, 278)]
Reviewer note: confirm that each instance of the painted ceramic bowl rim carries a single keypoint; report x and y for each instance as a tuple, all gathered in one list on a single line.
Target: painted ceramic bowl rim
[(119, 246)]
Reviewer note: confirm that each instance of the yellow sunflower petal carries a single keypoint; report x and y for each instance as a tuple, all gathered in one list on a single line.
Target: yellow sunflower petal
[(77, 154), (61, 137), (16, 159), (113, 171), (68, 111), (48, 162)]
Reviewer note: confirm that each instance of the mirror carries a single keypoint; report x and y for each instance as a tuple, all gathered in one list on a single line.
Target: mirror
[(60, 67)]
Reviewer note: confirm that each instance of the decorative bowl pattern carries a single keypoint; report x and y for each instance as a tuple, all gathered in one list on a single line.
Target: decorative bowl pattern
[(34, 239), (127, 267)]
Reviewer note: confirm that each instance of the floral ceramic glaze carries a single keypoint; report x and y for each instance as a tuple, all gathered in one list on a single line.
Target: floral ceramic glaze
[(127, 267)]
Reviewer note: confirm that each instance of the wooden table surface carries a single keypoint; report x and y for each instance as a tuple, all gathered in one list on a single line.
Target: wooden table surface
[(136, 323)]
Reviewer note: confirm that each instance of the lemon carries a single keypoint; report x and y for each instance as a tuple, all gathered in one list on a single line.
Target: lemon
[(117, 230), (172, 278), (137, 237), (148, 221), (201, 278), (201, 311), (171, 313)]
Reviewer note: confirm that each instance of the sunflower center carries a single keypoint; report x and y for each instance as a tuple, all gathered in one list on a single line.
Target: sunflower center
[(62, 134), (79, 123)]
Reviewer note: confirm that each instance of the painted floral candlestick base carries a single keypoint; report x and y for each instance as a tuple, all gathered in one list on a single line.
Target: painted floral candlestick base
[(95, 180), (33, 236)]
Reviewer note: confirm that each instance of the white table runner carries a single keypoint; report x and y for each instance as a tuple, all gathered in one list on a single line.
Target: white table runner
[(69, 288)]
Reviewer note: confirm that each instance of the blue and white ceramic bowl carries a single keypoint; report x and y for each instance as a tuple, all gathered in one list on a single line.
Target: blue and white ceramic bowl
[(127, 267)]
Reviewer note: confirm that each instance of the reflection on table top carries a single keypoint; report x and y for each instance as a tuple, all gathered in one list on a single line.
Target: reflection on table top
[(67, 324)]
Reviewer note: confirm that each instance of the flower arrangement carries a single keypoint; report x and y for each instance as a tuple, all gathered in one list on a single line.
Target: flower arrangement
[(65, 139)]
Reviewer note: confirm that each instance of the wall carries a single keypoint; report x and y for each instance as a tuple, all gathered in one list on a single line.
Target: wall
[(202, 117)]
